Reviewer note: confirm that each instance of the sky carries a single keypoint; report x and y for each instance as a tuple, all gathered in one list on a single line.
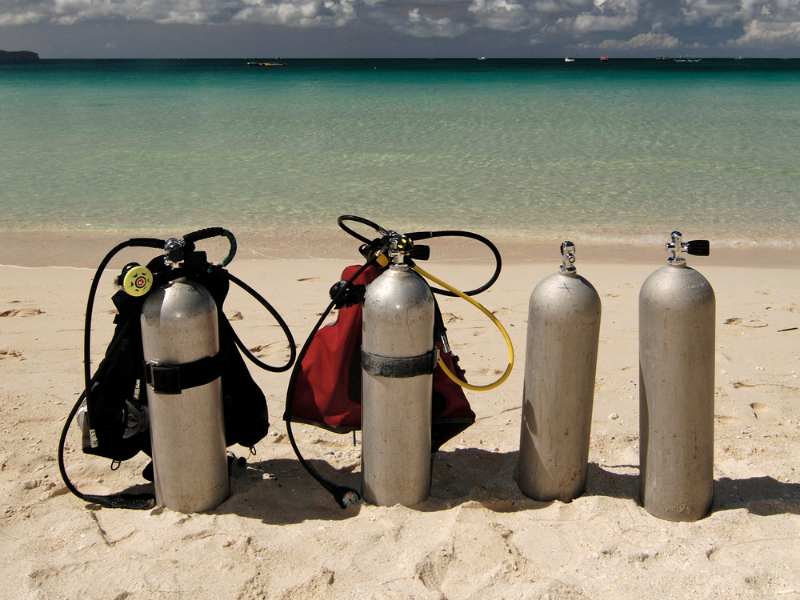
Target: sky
[(400, 28)]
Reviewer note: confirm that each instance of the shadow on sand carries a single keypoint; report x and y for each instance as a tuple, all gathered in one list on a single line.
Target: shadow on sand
[(280, 492)]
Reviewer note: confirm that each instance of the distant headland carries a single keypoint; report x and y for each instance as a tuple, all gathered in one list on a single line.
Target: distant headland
[(21, 56)]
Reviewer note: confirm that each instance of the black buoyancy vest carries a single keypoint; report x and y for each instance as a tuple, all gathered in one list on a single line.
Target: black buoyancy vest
[(117, 397)]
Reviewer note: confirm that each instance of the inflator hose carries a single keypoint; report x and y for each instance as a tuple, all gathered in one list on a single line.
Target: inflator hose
[(452, 376)]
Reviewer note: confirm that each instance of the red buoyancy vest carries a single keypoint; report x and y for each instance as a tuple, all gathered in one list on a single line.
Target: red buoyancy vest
[(327, 391)]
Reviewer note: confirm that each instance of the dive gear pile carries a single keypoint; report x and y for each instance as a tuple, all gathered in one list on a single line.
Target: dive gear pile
[(173, 382), (327, 387), (173, 305)]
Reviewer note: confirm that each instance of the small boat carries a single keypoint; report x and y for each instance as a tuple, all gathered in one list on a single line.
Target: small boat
[(604, 58), (266, 65), (688, 60), (481, 58), (569, 60)]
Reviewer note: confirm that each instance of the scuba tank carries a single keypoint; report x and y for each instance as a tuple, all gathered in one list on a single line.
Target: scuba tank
[(394, 376), (560, 363), (676, 387), (397, 363), (172, 383), (187, 432)]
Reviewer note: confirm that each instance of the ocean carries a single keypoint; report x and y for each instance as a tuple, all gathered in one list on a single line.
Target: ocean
[(620, 152)]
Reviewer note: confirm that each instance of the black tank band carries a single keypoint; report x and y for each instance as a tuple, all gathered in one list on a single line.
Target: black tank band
[(407, 366), (173, 379)]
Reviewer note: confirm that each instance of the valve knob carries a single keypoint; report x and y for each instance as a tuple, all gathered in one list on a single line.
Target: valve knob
[(421, 252), (698, 247)]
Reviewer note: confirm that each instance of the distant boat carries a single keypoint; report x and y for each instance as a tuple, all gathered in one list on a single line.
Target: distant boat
[(568, 59), (481, 58), (687, 60), (266, 65), (604, 58)]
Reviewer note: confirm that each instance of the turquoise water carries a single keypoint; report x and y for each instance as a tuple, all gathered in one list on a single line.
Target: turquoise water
[(620, 151)]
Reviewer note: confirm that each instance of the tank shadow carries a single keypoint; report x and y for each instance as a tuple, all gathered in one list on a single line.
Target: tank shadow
[(476, 475), (488, 478), (280, 492), (764, 496), (602, 482)]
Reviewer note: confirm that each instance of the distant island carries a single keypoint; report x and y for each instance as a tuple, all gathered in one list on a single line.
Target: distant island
[(22, 56)]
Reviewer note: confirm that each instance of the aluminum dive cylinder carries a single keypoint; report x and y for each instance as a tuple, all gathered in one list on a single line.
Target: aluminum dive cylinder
[(180, 339), (561, 358), (676, 387), (397, 363)]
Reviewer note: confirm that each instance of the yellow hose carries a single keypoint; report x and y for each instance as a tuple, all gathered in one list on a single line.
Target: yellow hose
[(492, 318)]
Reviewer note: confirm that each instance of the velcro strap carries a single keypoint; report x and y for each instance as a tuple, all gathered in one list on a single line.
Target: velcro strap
[(391, 366), (172, 379)]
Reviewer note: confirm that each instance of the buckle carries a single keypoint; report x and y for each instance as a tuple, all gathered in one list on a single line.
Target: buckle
[(165, 379)]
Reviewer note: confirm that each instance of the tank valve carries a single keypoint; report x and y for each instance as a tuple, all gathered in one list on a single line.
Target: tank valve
[(175, 250), (567, 257), (676, 247)]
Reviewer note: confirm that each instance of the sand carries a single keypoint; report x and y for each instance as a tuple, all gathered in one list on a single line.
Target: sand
[(280, 535)]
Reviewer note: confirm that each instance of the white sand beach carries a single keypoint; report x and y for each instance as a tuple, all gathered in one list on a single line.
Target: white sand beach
[(281, 536)]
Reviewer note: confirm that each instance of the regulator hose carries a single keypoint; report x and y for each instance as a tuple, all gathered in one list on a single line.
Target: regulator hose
[(452, 292), (510, 347), (427, 235), (278, 318)]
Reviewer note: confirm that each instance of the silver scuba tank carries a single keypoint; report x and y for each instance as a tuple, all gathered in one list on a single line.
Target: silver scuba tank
[(180, 339), (397, 362), (560, 363), (676, 387)]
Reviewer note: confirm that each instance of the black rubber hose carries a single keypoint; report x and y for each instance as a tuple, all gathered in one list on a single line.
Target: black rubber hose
[(210, 232), (135, 501), (343, 495), (87, 324), (355, 218), (426, 235), (278, 318)]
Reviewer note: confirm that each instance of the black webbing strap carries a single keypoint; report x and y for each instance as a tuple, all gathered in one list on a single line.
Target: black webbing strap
[(390, 366), (172, 379)]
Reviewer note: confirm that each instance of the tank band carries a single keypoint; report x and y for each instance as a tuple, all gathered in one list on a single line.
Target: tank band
[(391, 366), (172, 379)]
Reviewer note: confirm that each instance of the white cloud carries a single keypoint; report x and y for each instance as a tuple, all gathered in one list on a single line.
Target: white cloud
[(20, 18), (766, 33), (313, 13), (290, 13), (503, 15), (643, 40), (421, 25), (603, 15)]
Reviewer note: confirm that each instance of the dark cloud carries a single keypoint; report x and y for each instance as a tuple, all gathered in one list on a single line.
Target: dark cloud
[(520, 27)]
